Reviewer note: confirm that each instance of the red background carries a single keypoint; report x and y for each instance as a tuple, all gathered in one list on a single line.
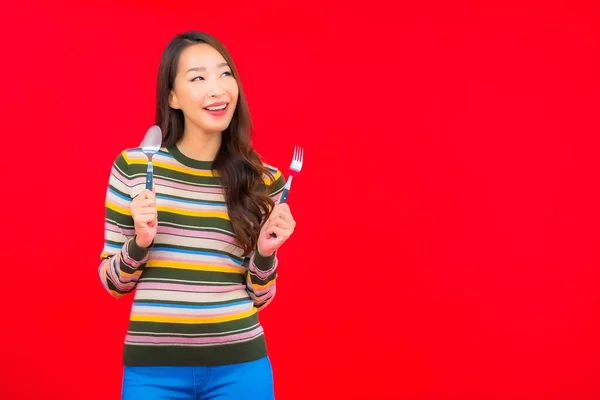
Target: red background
[(447, 239)]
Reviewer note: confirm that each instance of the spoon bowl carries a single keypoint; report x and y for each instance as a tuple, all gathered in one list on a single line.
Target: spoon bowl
[(150, 146)]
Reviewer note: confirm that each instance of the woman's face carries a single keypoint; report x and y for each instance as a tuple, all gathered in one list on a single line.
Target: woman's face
[(204, 89)]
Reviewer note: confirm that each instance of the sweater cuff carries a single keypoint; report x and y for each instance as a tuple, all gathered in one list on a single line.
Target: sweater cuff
[(136, 252), (264, 263)]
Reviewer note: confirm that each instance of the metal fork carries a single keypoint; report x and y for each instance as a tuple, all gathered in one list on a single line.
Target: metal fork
[(295, 168)]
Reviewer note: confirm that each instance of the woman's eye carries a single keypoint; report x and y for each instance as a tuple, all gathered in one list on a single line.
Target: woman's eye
[(227, 73), (197, 78)]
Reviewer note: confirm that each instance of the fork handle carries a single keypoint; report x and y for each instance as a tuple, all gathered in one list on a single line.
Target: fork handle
[(284, 195), (286, 190), (283, 199)]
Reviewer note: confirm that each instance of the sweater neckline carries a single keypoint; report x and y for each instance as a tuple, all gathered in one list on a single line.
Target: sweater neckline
[(189, 162)]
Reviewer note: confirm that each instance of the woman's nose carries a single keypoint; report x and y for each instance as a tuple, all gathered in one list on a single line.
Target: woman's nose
[(215, 89)]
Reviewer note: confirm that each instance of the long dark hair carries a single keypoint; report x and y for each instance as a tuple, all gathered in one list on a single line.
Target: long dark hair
[(239, 167)]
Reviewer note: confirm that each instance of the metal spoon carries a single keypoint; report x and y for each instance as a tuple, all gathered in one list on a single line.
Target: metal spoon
[(150, 146)]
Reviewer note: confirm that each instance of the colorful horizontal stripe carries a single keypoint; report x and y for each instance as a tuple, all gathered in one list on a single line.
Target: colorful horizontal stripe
[(194, 289), (194, 341)]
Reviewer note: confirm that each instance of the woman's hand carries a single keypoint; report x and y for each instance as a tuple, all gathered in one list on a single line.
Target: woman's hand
[(281, 223), (144, 213)]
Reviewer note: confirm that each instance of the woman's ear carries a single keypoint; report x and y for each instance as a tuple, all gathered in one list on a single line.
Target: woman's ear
[(173, 103)]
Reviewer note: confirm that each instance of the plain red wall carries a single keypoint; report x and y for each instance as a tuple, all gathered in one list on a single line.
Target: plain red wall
[(447, 245)]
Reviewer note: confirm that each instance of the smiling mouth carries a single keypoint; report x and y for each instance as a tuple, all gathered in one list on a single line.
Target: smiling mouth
[(216, 108)]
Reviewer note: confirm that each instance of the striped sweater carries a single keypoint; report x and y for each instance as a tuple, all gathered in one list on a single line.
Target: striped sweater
[(196, 295)]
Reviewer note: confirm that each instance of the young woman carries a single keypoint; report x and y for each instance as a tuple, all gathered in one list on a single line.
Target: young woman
[(197, 248)]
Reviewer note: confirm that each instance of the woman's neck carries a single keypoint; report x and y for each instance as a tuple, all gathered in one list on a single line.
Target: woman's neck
[(199, 145)]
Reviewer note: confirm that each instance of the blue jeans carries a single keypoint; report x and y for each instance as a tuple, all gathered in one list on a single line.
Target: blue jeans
[(249, 380)]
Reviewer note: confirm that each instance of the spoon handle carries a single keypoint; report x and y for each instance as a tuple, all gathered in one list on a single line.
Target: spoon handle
[(149, 175)]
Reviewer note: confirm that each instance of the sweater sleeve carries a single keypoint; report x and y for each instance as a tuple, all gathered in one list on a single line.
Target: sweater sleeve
[(122, 260), (261, 273)]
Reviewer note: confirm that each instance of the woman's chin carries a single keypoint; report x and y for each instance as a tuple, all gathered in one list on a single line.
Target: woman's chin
[(213, 128)]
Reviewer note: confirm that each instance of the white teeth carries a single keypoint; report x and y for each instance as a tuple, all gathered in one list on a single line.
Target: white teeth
[(217, 108)]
